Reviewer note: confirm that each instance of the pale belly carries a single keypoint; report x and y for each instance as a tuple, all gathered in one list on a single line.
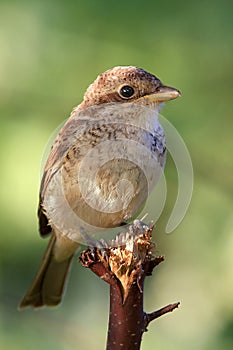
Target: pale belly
[(104, 181)]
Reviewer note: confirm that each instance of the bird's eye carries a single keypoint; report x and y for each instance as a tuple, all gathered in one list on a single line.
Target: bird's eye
[(126, 91)]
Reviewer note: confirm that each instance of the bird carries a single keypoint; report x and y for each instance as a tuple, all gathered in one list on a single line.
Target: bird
[(99, 170)]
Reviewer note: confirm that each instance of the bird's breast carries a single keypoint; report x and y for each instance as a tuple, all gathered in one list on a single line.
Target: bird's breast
[(106, 176)]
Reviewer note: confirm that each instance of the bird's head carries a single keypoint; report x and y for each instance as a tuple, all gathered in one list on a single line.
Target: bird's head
[(128, 84)]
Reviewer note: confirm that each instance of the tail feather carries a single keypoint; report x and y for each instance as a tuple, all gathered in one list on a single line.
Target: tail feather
[(48, 285)]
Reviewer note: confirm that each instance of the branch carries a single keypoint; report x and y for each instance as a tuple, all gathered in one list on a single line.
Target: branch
[(124, 264), (164, 310)]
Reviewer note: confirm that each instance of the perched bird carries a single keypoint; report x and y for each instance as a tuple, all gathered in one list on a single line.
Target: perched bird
[(101, 167)]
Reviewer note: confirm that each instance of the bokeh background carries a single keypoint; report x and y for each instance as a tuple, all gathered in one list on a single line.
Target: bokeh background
[(49, 53)]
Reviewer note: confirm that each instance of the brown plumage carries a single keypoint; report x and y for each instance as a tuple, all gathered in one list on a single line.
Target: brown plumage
[(87, 127)]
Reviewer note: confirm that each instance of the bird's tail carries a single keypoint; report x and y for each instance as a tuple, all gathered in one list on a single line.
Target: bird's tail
[(48, 285)]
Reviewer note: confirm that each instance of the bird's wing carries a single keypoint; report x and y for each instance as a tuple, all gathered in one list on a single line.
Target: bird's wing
[(67, 136)]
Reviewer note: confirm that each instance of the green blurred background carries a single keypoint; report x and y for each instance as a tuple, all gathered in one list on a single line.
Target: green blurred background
[(49, 53)]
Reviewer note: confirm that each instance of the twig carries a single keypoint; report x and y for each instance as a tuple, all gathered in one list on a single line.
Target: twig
[(124, 264), (164, 310)]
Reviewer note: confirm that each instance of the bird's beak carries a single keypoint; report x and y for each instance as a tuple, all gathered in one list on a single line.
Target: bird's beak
[(163, 94)]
